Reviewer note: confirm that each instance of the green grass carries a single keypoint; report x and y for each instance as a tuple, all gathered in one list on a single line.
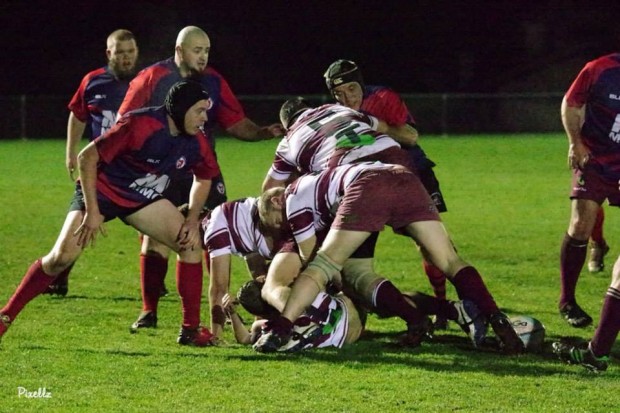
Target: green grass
[(508, 211)]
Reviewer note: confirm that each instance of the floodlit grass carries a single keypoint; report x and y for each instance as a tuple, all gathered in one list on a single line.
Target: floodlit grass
[(508, 211)]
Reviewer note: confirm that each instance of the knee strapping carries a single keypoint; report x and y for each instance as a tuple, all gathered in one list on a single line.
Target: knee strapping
[(360, 276), (323, 270)]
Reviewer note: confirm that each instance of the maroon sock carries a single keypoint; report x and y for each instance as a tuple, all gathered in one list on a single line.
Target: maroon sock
[(572, 257), (189, 285), (153, 269), (437, 279), (35, 281), (469, 285), (388, 298), (280, 325), (434, 306), (597, 231), (608, 327)]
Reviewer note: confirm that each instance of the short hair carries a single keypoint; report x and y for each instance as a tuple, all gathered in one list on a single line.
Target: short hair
[(291, 109), (119, 36), (187, 32), (264, 204)]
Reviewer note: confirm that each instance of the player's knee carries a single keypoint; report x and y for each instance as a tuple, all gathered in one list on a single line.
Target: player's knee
[(323, 270), (360, 277)]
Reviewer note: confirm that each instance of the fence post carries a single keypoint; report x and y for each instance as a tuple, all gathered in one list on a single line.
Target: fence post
[(22, 117)]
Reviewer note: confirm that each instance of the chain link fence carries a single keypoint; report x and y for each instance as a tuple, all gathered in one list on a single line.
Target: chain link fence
[(35, 117)]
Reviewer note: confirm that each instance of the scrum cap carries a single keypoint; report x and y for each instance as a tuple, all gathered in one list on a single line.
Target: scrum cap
[(182, 96), (291, 109), (341, 72)]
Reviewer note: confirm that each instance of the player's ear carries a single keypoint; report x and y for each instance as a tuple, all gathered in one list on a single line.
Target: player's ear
[(108, 53)]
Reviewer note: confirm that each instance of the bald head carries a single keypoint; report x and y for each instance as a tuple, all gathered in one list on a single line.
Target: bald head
[(187, 34)]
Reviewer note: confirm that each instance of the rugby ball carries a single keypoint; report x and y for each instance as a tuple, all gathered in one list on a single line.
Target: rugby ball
[(530, 331)]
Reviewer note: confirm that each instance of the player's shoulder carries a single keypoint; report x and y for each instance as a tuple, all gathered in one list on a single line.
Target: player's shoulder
[(381, 92), (158, 68), (93, 74), (210, 71)]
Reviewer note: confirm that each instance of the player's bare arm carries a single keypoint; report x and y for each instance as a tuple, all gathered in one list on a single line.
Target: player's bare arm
[(218, 287), (572, 119), (247, 130), (93, 220), (75, 130), (404, 134), (257, 266), (189, 234)]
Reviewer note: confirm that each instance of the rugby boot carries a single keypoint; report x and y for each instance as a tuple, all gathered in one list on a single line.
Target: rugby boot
[(575, 316), (417, 333), (471, 321), (5, 322), (510, 343), (584, 357), (597, 256), (198, 337), (146, 319)]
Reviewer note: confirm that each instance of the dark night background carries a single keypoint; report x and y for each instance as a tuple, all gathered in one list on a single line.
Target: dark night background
[(283, 47)]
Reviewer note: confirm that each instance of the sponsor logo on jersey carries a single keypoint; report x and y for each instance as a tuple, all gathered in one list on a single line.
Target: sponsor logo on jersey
[(613, 96), (181, 162), (151, 186), (155, 161)]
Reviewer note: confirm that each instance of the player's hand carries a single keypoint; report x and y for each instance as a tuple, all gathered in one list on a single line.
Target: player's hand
[(87, 231), (276, 130), (71, 164), (229, 304), (578, 156), (188, 237)]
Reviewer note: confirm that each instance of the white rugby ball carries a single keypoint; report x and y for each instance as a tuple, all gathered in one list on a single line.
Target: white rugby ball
[(530, 330)]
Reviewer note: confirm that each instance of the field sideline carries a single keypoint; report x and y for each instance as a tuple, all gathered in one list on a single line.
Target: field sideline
[(508, 211)]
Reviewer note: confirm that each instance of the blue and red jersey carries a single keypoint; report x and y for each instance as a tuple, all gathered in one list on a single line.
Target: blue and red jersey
[(150, 86), (97, 100), (387, 105), (598, 88), (139, 157)]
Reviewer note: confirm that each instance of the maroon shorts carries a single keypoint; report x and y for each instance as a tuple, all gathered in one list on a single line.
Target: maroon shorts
[(393, 197), (588, 184)]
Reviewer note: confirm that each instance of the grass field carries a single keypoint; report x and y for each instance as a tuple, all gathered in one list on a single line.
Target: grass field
[(508, 211)]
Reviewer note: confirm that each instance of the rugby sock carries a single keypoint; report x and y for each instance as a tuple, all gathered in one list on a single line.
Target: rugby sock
[(189, 286), (35, 281), (153, 269), (469, 285), (437, 279), (387, 297), (607, 330), (435, 306), (597, 231), (572, 258)]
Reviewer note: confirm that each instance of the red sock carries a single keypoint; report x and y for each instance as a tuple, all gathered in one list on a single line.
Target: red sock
[(469, 285), (572, 257), (437, 279), (35, 281), (597, 231), (153, 269), (607, 330), (388, 298), (189, 285)]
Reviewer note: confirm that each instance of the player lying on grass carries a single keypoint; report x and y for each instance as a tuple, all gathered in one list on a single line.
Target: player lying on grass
[(331, 321), (353, 201), (122, 175)]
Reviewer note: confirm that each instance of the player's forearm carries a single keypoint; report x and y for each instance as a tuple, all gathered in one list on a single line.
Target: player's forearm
[(75, 130), (197, 198), (247, 130), (87, 165), (572, 120), (219, 279)]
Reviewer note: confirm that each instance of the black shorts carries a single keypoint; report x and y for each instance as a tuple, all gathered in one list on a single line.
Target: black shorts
[(106, 207), (431, 184), (178, 191)]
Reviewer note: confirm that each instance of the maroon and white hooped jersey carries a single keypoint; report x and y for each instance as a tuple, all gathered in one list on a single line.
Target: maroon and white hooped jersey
[(233, 228), (316, 135), (312, 200)]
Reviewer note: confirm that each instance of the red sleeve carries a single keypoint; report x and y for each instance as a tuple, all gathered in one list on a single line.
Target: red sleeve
[(125, 136), (577, 94), (139, 92), (388, 106), (78, 104), (208, 168), (230, 110)]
